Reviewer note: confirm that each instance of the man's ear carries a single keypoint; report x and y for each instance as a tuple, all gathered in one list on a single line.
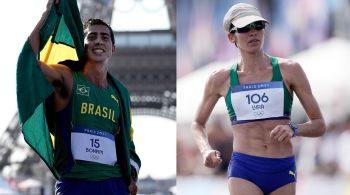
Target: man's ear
[(114, 49)]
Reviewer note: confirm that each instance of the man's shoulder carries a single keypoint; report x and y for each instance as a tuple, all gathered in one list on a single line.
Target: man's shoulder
[(73, 65), (117, 83)]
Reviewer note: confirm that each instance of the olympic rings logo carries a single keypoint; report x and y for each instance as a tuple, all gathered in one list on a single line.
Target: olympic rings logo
[(94, 157), (259, 113)]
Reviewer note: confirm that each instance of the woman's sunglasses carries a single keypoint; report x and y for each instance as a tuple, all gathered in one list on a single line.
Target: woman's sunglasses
[(258, 25)]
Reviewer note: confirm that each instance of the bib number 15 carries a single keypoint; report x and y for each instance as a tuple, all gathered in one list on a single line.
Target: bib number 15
[(95, 143), (256, 98)]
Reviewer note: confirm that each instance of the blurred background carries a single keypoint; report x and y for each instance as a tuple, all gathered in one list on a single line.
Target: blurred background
[(315, 33), (145, 61)]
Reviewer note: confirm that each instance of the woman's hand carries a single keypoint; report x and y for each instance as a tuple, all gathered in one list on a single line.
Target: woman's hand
[(211, 158), (282, 133)]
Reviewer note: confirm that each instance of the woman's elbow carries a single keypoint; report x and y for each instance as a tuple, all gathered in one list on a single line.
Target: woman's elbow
[(322, 128)]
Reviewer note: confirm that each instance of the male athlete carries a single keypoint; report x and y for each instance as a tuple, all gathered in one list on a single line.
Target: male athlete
[(89, 117)]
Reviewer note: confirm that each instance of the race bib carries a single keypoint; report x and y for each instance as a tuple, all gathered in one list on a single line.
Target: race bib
[(258, 100), (93, 145)]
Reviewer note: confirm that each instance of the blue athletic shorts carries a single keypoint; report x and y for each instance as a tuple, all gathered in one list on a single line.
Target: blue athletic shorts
[(268, 174), (112, 186)]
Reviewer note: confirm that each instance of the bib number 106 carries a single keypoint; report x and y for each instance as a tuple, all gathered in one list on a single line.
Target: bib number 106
[(256, 98)]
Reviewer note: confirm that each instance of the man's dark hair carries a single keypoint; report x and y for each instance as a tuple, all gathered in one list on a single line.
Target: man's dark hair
[(79, 65), (96, 21)]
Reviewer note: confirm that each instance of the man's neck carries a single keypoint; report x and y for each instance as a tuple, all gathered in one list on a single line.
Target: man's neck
[(96, 73)]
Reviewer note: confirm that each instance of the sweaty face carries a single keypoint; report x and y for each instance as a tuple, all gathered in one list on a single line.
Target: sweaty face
[(98, 43)]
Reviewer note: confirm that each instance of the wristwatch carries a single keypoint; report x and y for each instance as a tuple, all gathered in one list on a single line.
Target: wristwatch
[(294, 127)]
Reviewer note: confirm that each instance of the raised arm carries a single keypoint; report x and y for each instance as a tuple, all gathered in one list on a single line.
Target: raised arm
[(60, 76), (34, 37)]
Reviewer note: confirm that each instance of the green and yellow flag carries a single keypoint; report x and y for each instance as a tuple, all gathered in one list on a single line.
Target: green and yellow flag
[(61, 38)]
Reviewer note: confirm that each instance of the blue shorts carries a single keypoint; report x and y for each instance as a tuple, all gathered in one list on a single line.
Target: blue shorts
[(268, 174), (112, 186)]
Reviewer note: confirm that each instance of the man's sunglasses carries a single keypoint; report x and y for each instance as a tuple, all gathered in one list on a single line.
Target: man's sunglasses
[(258, 25)]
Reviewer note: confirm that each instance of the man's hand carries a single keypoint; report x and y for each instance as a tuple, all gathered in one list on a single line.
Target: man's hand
[(132, 188), (281, 133), (211, 158), (50, 2)]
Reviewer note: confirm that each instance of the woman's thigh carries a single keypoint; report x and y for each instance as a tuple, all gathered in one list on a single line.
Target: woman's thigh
[(288, 189), (239, 186)]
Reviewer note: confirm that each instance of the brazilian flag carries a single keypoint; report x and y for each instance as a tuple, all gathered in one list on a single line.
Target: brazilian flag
[(62, 39)]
